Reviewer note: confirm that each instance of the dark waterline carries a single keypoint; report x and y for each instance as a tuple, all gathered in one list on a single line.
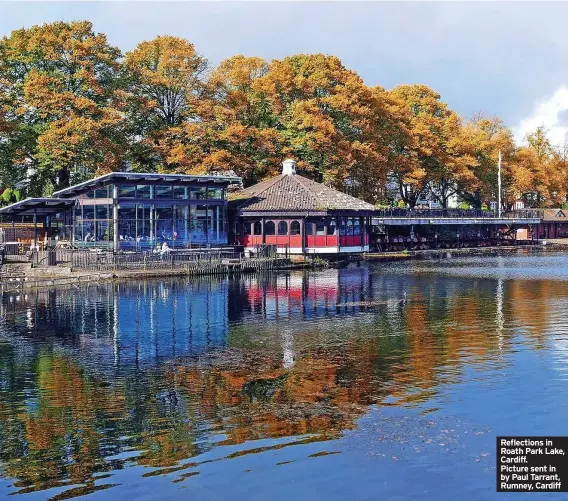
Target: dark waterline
[(375, 381)]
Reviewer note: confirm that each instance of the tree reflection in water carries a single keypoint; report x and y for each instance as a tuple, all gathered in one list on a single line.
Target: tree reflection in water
[(98, 378)]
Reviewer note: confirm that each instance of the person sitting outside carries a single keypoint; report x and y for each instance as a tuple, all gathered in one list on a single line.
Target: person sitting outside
[(165, 250)]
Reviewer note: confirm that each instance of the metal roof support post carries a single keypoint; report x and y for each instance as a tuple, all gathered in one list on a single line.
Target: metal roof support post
[(35, 229), (115, 238)]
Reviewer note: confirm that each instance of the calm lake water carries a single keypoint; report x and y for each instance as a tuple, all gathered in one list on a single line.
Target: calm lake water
[(374, 381)]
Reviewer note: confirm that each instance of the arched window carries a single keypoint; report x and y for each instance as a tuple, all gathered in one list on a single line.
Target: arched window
[(342, 228), (294, 228), (320, 227), (269, 228), (258, 228), (349, 226), (310, 227), (246, 228), (357, 227), (331, 227), (283, 228)]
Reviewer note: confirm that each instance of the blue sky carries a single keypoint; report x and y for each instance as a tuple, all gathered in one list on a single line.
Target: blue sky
[(503, 58)]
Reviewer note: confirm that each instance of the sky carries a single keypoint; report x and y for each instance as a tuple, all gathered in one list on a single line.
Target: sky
[(508, 59)]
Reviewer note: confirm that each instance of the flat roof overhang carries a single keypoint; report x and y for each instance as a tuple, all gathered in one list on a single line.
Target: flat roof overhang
[(140, 177), (39, 207)]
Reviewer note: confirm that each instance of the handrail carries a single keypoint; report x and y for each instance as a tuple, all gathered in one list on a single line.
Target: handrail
[(459, 213)]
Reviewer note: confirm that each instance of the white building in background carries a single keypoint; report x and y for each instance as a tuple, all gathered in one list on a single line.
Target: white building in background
[(427, 197)]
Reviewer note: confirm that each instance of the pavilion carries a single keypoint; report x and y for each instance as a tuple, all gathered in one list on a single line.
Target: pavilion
[(130, 211), (300, 216)]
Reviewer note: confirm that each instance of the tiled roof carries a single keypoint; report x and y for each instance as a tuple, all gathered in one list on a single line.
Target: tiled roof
[(555, 215), (294, 192)]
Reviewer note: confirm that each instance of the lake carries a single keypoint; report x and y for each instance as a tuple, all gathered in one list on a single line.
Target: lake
[(372, 381)]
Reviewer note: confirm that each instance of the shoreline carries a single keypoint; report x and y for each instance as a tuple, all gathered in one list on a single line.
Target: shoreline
[(82, 277)]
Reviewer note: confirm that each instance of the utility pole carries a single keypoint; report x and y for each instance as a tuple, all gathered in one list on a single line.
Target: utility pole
[(499, 185)]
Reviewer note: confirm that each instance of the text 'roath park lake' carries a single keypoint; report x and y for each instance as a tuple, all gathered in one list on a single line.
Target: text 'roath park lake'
[(371, 381)]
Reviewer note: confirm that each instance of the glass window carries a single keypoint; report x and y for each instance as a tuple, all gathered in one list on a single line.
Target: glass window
[(310, 228), (126, 213), (101, 212), (88, 212), (258, 228), (199, 228), (179, 192), (127, 191), (198, 193), (101, 192), (215, 193), (246, 228), (331, 227), (342, 227), (163, 192), (142, 191), (283, 228), (320, 228), (294, 228), (269, 228), (350, 226), (357, 226)]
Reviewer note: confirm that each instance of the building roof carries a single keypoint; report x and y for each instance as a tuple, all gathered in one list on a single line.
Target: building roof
[(143, 177), (295, 193), (38, 206), (557, 215)]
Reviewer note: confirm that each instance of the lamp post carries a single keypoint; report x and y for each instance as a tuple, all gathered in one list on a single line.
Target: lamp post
[(499, 186)]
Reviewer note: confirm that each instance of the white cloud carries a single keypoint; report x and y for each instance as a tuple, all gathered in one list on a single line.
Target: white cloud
[(547, 113)]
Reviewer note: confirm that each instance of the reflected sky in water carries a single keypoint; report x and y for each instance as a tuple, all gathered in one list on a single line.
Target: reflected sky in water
[(336, 384)]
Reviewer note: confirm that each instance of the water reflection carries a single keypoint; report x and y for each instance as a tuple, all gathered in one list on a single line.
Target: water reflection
[(100, 378)]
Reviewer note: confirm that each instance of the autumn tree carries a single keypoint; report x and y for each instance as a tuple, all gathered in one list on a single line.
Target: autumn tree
[(63, 81), (539, 172), (166, 91), (482, 138), (435, 163), (327, 119)]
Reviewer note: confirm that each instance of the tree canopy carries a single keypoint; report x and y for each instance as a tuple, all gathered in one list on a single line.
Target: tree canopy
[(73, 106)]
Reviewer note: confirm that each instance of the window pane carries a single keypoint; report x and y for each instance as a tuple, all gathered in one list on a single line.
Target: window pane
[(88, 212), (357, 227), (310, 228), (126, 213), (142, 191), (246, 228), (269, 228), (127, 191), (215, 193), (350, 226), (163, 192), (320, 228), (294, 228), (331, 227), (101, 192), (258, 228), (179, 193), (283, 228), (198, 193), (101, 211)]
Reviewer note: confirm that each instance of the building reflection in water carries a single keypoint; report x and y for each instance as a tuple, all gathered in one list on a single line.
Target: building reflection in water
[(173, 369)]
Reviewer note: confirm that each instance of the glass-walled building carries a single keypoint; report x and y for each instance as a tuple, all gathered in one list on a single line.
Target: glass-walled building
[(132, 211)]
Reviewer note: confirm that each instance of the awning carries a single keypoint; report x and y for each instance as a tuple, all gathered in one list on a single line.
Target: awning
[(39, 206)]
